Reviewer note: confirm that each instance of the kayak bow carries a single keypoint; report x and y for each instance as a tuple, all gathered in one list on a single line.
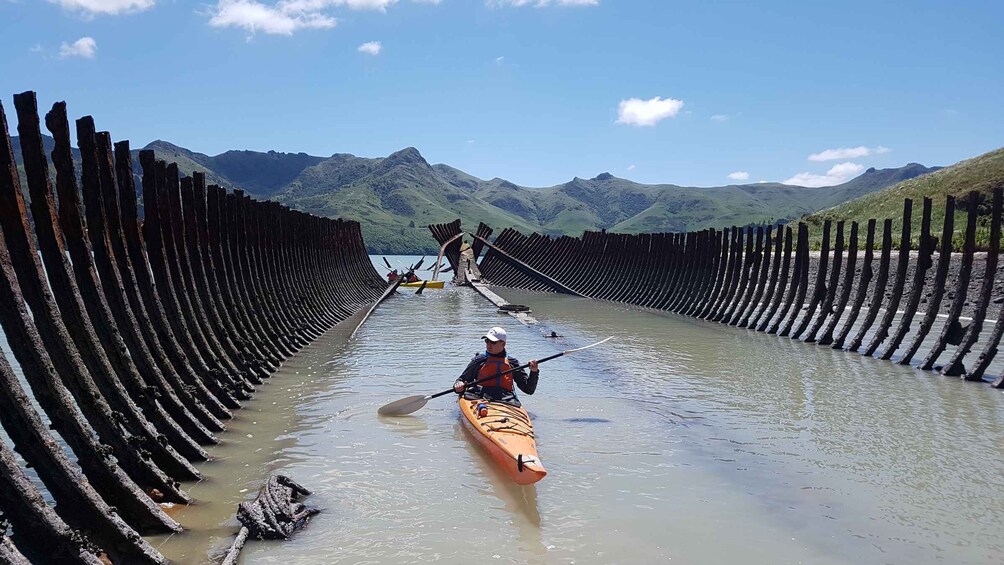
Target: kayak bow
[(506, 433)]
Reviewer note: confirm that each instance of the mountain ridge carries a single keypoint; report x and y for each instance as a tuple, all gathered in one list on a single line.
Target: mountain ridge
[(397, 196)]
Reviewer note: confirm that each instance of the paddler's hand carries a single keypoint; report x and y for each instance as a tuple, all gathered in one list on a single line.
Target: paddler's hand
[(533, 365), (459, 387)]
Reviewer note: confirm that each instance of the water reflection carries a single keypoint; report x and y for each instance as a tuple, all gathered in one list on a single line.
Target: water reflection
[(519, 502), (680, 439)]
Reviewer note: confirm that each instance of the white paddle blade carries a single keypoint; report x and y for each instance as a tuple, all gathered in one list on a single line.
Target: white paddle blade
[(403, 406), (588, 346)]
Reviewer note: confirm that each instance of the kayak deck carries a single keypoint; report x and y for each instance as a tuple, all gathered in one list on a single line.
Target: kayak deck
[(506, 433), (428, 284)]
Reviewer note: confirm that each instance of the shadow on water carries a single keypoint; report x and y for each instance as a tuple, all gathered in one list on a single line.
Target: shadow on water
[(519, 501), (409, 426)]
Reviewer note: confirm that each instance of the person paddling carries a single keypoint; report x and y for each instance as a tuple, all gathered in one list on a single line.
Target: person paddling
[(495, 360)]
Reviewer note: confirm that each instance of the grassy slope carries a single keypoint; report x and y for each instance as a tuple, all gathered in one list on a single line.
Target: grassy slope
[(980, 174), (396, 197)]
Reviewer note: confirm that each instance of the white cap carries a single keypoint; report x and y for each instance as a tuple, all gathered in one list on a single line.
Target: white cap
[(495, 334)]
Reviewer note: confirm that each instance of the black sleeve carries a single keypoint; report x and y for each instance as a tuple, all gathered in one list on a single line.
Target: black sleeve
[(527, 384), (470, 374)]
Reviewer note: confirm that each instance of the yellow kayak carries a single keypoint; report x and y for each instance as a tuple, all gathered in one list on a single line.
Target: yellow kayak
[(506, 433), (428, 284)]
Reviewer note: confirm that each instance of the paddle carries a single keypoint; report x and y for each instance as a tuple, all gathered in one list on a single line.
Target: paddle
[(386, 262), (413, 403)]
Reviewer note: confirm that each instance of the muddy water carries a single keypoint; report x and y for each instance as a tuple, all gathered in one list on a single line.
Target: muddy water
[(680, 440)]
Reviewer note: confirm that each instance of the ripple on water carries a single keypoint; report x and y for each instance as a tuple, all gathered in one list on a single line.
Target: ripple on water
[(656, 443)]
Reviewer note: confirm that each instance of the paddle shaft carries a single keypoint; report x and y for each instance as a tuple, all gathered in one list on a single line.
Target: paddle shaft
[(412, 403), (497, 375)]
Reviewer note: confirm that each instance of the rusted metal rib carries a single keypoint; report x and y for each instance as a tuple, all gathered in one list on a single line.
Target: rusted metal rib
[(87, 315), (954, 366), (990, 349), (917, 288), (37, 448), (75, 367), (186, 364), (862, 287), (903, 263), (845, 291), (952, 331), (826, 309), (878, 291)]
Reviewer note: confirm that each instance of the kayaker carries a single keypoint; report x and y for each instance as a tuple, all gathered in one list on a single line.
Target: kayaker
[(495, 360)]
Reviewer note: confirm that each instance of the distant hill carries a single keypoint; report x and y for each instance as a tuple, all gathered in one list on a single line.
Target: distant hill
[(260, 174), (397, 196), (981, 174)]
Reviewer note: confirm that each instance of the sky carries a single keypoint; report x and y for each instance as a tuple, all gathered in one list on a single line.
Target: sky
[(693, 93)]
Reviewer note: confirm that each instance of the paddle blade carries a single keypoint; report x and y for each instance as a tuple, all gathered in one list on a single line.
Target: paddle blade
[(403, 406), (386, 262)]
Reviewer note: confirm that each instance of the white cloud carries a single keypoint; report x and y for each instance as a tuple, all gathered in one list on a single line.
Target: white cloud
[(498, 60), (630, 167), (280, 19), (284, 17), (739, 175), (541, 3), (470, 142), (370, 48), (638, 112), (84, 47), (719, 118), (847, 153), (110, 7), (837, 174)]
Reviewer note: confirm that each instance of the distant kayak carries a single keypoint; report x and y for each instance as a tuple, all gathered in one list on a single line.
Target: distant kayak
[(506, 432), (428, 284)]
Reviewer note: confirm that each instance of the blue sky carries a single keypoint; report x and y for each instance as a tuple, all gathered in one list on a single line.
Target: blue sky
[(535, 91)]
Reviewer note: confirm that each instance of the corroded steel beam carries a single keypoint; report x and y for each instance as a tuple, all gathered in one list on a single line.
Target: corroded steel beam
[(760, 283), (845, 291), (747, 285), (925, 249), (70, 363), (826, 308), (878, 291), (954, 366), (80, 505), (903, 263), (86, 314), (862, 287), (184, 360), (951, 333), (103, 230), (132, 348), (990, 348), (517, 264), (800, 278), (42, 536), (183, 324)]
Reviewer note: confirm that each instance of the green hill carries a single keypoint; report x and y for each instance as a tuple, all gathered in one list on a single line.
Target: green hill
[(396, 197), (980, 174)]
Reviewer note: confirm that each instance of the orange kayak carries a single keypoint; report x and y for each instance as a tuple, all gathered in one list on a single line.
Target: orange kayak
[(507, 434)]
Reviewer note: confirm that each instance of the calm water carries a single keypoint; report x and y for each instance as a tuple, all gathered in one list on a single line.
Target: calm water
[(679, 440)]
